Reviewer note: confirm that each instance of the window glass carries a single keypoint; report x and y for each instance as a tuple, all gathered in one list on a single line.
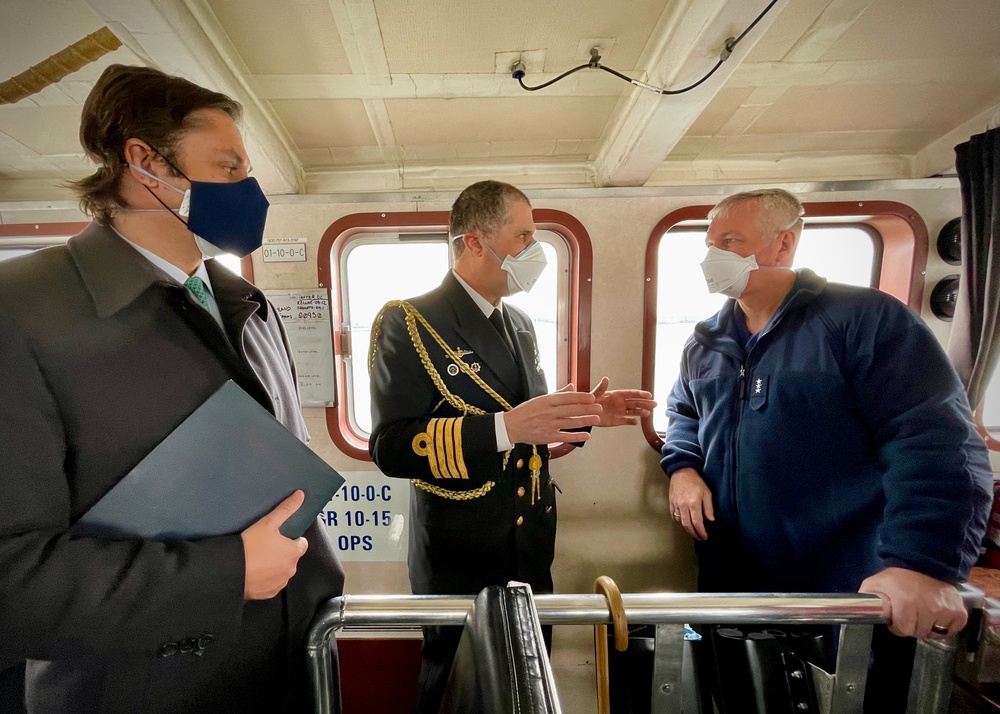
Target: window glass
[(7, 253), (375, 271), (991, 406), (377, 268), (845, 254), (231, 262), (542, 306)]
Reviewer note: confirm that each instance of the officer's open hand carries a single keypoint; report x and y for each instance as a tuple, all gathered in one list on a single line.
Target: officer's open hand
[(622, 406), (917, 605), (271, 558), (548, 419), (691, 502)]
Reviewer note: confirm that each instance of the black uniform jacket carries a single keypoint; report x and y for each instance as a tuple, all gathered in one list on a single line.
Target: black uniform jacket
[(101, 357), (434, 424)]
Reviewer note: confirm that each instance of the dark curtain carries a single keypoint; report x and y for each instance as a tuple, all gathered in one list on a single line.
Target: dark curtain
[(975, 338)]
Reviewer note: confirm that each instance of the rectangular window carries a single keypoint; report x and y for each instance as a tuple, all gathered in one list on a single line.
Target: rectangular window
[(8, 253), (377, 268), (840, 253), (376, 258), (991, 406), (546, 306)]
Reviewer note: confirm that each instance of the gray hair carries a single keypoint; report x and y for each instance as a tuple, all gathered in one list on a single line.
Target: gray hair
[(779, 210), (483, 206)]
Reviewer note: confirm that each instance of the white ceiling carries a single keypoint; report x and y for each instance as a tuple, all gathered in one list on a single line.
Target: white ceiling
[(376, 95)]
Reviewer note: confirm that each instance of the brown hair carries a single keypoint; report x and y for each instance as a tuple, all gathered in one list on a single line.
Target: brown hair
[(141, 103), (482, 206)]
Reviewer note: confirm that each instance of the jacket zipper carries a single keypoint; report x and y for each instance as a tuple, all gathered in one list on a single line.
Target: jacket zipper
[(740, 396)]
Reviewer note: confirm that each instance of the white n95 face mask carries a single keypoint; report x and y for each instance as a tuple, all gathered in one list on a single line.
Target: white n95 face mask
[(726, 272), (523, 269)]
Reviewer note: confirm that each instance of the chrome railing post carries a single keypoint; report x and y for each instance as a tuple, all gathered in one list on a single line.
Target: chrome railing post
[(851, 673), (930, 684), (330, 617), (668, 657)]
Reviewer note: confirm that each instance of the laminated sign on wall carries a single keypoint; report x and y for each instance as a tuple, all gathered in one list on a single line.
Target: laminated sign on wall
[(305, 315)]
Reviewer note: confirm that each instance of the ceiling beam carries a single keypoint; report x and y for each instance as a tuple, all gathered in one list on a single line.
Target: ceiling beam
[(452, 177), (688, 40), (361, 36), (590, 83), (770, 169), (837, 18), (938, 157), (845, 72), (183, 37)]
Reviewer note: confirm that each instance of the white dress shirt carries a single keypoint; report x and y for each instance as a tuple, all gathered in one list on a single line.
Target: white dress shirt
[(503, 441)]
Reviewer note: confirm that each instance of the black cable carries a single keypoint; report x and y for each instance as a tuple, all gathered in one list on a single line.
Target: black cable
[(753, 24), (519, 76), (595, 63), (690, 86)]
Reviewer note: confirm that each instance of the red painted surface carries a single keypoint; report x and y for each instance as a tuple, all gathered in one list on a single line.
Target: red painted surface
[(379, 676)]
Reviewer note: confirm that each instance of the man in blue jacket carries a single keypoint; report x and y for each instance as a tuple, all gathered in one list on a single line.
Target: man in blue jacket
[(819, 439)]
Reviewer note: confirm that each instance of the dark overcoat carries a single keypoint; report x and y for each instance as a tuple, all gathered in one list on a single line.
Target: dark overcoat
[(101, 357)]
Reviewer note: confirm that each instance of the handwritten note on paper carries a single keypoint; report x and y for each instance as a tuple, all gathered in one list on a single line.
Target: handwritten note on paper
[(306, 317)]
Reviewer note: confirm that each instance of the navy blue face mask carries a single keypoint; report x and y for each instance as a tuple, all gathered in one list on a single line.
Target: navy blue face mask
[(230, 216)]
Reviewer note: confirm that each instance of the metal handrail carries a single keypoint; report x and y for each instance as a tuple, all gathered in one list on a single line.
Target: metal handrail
[(933, 665), (647, 608)]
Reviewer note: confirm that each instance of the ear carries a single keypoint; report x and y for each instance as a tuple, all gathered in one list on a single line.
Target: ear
[(139, 153), (474, 242), (788, 240)]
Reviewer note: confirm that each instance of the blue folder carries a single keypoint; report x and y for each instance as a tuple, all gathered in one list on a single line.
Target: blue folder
[(223, 468)]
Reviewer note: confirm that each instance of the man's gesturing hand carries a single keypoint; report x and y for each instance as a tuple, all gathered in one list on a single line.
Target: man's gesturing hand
[(548, 419), (622, 406), (271, 558)]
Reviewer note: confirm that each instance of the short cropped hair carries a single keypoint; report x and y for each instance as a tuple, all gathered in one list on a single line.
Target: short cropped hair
[(779, 210), (483, 206), (140, 103)]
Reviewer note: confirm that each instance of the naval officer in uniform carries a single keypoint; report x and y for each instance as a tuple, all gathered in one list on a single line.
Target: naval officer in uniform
[(460, 407)]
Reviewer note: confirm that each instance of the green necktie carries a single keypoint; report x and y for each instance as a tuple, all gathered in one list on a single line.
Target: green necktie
[(198, 288)]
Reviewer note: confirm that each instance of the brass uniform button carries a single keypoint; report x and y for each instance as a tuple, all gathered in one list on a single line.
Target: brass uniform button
[(520, 463), (520, 491), (520, 520)]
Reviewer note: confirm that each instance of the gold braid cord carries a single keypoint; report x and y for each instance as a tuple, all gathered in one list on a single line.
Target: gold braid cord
[(413, 317)]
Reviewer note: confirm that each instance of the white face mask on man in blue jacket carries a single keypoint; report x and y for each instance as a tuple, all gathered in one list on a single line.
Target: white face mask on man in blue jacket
[(728, 273)]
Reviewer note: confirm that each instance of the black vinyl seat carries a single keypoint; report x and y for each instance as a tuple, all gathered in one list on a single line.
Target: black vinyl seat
[(502, 666)]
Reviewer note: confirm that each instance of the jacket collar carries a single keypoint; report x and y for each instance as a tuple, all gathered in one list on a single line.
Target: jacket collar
[(719, 331), (482, 338), (115, 274), (233, 292)]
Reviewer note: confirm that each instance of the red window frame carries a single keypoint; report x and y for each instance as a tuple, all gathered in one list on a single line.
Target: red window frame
[(904, 258), (338, 236)]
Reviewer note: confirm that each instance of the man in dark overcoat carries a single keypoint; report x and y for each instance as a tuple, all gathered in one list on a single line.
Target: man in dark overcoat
[(106, 345)]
